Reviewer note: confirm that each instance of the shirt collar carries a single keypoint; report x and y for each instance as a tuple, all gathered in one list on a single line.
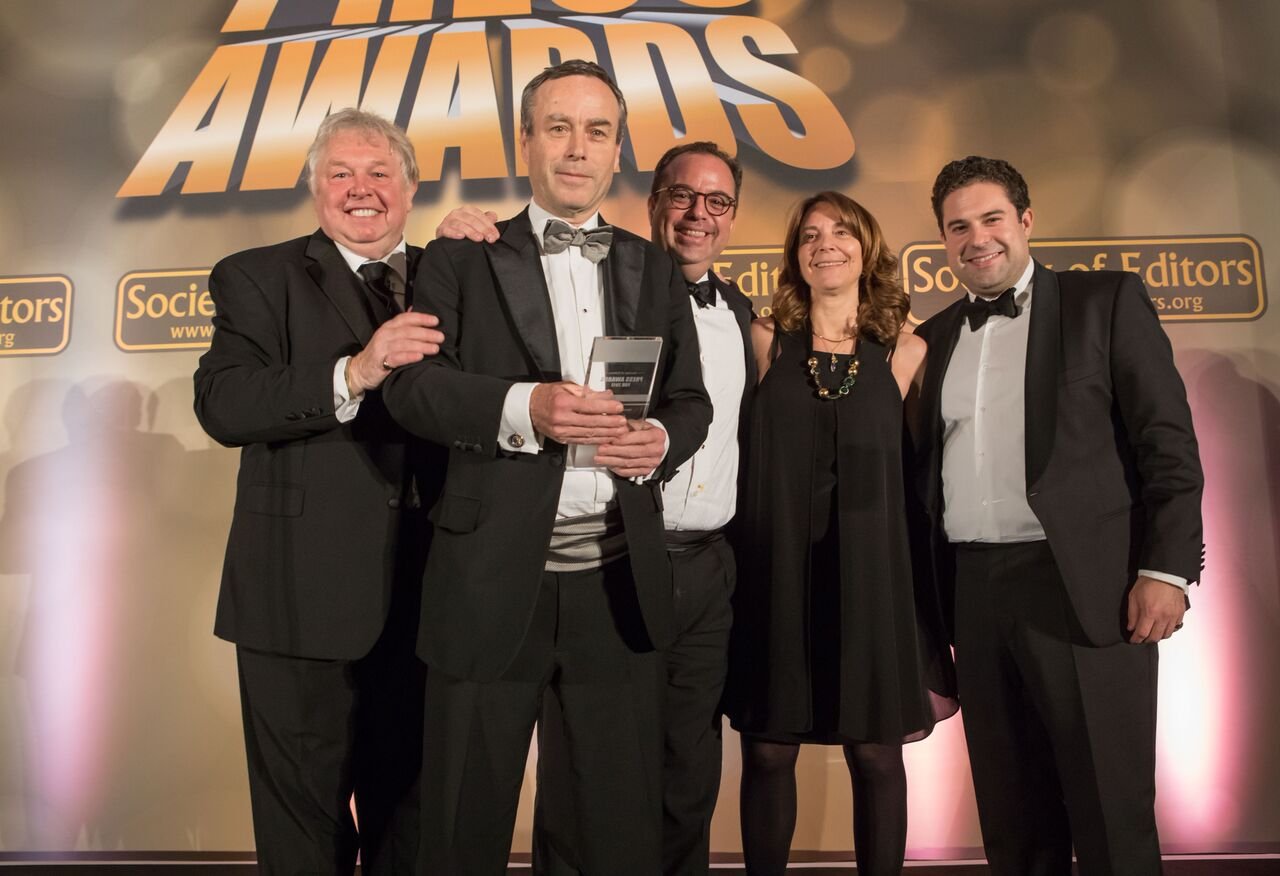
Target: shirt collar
[(355, 260)]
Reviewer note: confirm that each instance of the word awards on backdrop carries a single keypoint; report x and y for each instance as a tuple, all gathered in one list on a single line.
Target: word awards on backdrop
[(689, 71)]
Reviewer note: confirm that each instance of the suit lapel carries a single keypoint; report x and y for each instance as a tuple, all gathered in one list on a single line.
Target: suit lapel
[(942, 344), (412, 254), (624, 271), (330, 272), (1043, 356), (741, 309), (516, 265)]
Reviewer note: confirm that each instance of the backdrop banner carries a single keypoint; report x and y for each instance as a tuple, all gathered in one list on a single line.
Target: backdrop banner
[(146, 139)]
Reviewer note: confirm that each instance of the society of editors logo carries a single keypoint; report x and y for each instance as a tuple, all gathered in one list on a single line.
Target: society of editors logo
[(1198, 278), (164, 310), (35, 315)]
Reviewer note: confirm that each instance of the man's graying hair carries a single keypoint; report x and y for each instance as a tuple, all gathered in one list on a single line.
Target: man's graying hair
[(575, 67), (369, 124)]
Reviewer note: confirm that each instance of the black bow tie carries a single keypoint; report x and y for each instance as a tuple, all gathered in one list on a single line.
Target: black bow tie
[(977, 310), (383, 281), (703, 293), (558, 236)]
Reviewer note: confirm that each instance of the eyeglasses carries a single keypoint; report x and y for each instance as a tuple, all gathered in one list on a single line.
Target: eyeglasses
[(683, 197)]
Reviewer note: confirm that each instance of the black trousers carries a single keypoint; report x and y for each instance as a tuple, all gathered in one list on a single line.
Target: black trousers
[(703, 577), (587, 648), (319, 731), (1061, 734)]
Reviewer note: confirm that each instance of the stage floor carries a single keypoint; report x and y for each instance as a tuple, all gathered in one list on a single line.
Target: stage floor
[(229, 864)]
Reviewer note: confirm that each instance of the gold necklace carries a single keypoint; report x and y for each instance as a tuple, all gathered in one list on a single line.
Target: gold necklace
[(850, 374), (834, 343)]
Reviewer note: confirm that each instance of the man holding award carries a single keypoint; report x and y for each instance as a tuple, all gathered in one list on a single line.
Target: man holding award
[(548, 570), (692, 206)]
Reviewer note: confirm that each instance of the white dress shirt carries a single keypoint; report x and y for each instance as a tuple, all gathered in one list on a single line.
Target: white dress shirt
[(577, 303), (984, 472), (703, 492), (345, 405)]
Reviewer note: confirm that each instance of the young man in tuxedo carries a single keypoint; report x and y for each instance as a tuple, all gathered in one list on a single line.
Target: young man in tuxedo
[(1062, 478), (548, 570), (320, 588)]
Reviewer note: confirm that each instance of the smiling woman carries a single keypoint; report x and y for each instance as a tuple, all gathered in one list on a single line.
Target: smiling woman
[(839, 274), (831, 644)]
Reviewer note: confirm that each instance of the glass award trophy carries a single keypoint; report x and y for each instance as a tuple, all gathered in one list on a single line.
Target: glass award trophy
[(627, 366)]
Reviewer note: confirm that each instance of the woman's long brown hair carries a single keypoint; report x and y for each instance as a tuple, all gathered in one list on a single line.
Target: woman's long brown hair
[(882, 304)]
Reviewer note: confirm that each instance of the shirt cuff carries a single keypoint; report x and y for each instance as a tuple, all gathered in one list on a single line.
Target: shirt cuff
[(515, 430), (1176, 580), (345, 407), (666, 445)]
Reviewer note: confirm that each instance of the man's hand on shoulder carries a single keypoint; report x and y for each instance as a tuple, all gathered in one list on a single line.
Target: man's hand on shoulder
[(572, 414), (469, 223), (636, 453), (1155, 610), (402, 340)]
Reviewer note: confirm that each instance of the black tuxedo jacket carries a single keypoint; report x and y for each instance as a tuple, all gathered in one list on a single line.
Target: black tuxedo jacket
[(313, 545), (1112, 466), (493, 522)]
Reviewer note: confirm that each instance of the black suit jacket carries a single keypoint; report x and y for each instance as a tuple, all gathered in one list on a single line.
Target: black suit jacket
[(313, 545), (493, 522), (1112, 466)]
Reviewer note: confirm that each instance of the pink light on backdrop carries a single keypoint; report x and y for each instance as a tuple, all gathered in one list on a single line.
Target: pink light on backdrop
[(1203, 729), (70, 681), (1195, 754), (74, 537), (942, 815)]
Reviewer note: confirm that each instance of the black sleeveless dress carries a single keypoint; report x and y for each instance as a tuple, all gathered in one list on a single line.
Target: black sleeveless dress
[(828, 644)]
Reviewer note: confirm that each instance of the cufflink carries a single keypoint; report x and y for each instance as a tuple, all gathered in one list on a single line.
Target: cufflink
[(516, 440)]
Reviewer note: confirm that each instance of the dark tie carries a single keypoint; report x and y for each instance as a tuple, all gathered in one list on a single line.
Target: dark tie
[(703, 293), (380, 279), (977, 310), (559, 236)]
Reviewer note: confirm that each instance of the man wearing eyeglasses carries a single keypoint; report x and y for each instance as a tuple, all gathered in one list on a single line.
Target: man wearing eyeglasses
[(691, 215), (692, 206)]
